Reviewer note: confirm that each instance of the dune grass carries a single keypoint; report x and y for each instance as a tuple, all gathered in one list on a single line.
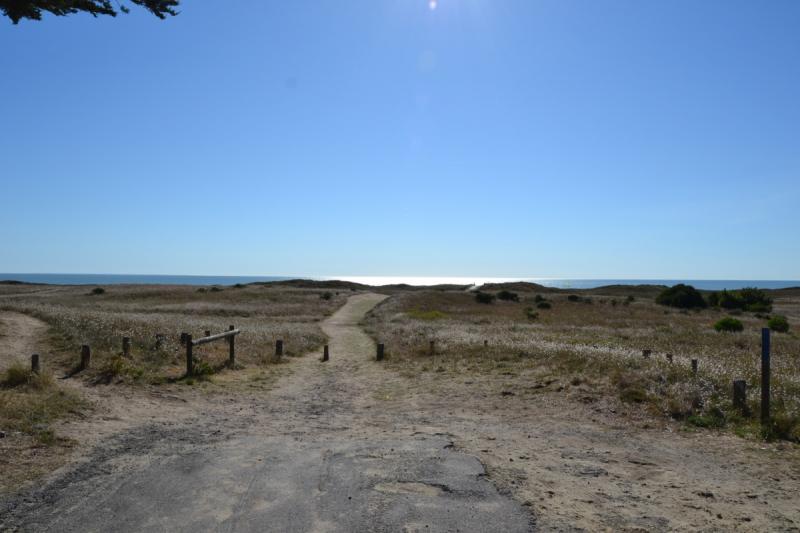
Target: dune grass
[(601, 339), (264, 313)]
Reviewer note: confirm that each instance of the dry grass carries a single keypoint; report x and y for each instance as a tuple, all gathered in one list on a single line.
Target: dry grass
[(601, 341), (263, 313)]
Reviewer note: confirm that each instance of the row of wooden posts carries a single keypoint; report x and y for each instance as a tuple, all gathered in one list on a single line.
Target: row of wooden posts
[(739, 385)]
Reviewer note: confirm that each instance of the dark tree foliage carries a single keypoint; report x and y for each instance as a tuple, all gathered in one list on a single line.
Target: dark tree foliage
[(484, 297), (508, 296), (746, 299), (17, 10), (681, 296)]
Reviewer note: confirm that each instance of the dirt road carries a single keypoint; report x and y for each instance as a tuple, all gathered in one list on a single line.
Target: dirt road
[(313, 455), (350, 445)]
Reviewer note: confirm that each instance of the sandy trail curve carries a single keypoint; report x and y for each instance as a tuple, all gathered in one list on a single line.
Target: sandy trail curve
[(316, 453), (19, 336)]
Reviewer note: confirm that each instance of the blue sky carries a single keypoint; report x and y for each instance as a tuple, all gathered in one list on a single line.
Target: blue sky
[(512, 138)]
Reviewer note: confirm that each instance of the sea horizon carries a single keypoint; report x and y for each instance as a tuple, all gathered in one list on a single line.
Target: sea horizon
[(561, 283)]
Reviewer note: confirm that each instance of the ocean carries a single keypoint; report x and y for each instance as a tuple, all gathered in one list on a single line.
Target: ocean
[(115, 279)]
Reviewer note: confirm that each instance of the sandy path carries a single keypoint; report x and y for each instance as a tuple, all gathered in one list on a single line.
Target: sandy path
[(19, 335), (315, 453)]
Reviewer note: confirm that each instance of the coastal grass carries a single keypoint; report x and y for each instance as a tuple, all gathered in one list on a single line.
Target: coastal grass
[(600, 340), (265, 313)]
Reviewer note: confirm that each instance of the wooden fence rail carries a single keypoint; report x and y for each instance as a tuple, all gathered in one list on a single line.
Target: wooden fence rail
[(190, 344)]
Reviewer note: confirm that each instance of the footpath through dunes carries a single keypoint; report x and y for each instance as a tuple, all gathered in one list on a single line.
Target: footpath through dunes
[(317, 452), (19, 335)]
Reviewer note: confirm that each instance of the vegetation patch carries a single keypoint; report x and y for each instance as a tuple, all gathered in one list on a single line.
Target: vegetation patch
[(729, 324), (426, 315), (747, 299), (30, 402), (778, 323), (681, 296), (508, 296), (484, 297)]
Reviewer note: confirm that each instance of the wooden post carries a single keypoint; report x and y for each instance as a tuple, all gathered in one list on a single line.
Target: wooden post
[(740, 395), (379, 354), (183, 339), (126, 346), (208, 333), (646, 353), (231, 348), (765, 376), (86, 356), (35, 363), (325, 353), (694, 366), (485, 344), (159, 341), (433, 348), (669, 357), (189, 359), (278, 349)]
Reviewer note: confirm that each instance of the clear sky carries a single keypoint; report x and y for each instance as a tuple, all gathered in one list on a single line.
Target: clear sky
[(518, 138)]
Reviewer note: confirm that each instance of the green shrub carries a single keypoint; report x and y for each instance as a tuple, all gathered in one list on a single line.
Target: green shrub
[(574, 298), (484, 297), (681, 296), (729, 324), (539, 298), (17, 375), (98, 290), (508, 296), (747, 299), (326, 296), (778, 323), (531, 314), (544, 305)]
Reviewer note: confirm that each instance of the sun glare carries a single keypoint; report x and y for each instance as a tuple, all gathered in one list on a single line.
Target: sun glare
[(432, 4)]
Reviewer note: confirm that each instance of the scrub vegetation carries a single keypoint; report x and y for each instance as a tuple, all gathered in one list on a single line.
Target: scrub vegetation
[(155, 316), (601, 346)]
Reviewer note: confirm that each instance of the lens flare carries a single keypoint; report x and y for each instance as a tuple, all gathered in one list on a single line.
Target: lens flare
[(432, 4)]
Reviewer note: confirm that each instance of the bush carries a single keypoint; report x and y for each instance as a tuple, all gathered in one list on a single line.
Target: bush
[(16, 375), (484, 297), (531, 314), (98, 290), (544, 305), (729, 324), (681, 296), (508, 296), (539, 298), (747, 299), (326, 296), (778, 323), (574, 298)]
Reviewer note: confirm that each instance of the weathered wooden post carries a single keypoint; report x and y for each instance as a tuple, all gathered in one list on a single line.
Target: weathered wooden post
[(765, 376), (208, 333), (694, 366), (86, 356), (35, 363), (183, 338), (189, 359), (325, 353), (159, 341), (646, 353), (669, 357), (485, 343), (278, 349), (231, 348), (379, 354), (126, 346), (740, 395), (433, 348)]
